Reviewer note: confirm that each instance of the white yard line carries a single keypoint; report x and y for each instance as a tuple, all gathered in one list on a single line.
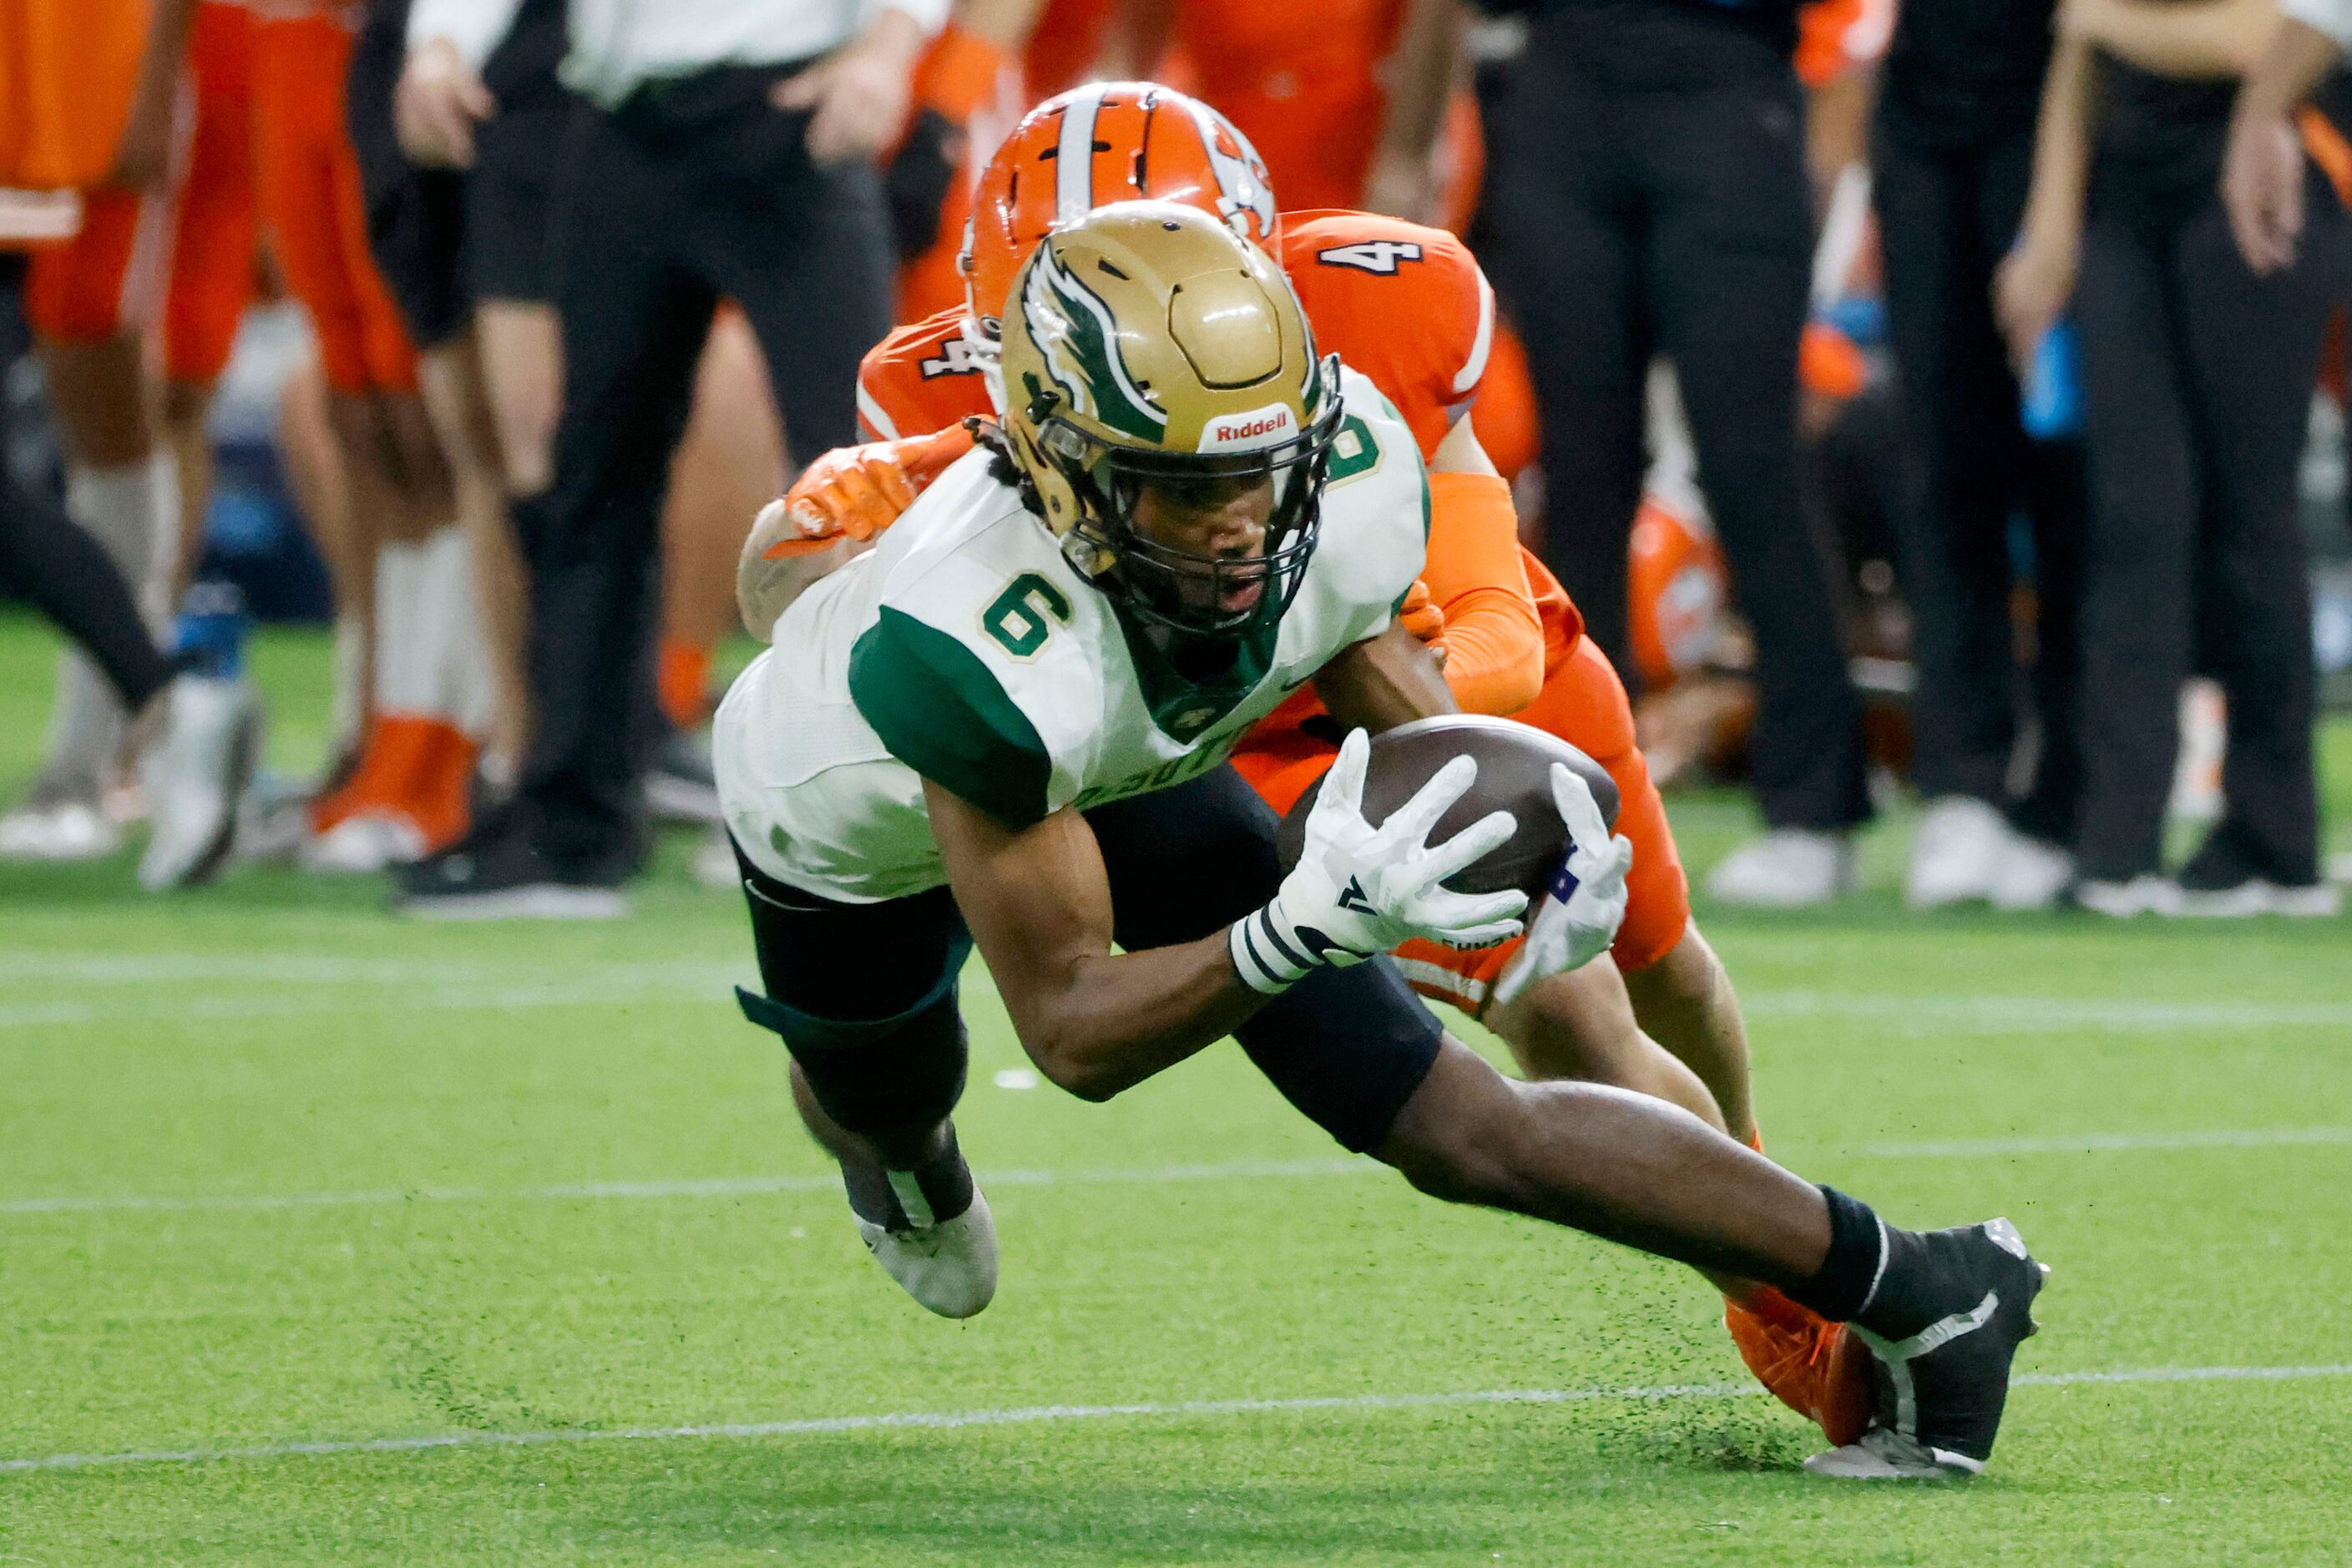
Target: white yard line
[(1142, 1175), (697, 1187), (2036, 1015), (1039, 1414), (456, 984), (2114, 1143)]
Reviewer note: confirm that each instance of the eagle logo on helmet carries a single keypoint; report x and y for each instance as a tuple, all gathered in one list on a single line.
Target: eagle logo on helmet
[(1074, 332), (1243, 188)]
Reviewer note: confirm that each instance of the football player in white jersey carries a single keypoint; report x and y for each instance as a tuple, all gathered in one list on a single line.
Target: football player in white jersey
[(1006, 725)]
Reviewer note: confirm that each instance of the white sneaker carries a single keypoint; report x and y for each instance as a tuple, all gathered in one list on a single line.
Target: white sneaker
[(1955, 856), (2143, 895), (1786, 869), (58, 831), (949, 1267), (2321, 900), (2030, 874), (363, 845), (195, 776)]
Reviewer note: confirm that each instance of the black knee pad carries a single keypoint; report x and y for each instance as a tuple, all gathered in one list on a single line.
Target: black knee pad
[(879, 1075)]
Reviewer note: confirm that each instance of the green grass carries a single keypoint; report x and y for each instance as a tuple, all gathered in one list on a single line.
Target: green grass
[(178, 1063)]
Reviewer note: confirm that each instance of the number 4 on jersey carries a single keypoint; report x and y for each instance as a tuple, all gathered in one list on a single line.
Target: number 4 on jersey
[(1381, 255)]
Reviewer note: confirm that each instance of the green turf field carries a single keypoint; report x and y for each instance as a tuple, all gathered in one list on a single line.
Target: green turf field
[(327, 1238)]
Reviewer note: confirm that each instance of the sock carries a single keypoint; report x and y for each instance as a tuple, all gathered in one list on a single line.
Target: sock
[(132, 510), (466, 688), (938, 1189), (685, 683), (405, 674), (1850, 1274)]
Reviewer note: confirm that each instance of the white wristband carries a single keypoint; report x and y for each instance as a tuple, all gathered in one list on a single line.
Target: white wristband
[(1266, 963)]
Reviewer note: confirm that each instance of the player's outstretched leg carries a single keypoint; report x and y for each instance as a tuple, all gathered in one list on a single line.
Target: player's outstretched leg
[(1943, 1312), (917, 1209), (864, 996)]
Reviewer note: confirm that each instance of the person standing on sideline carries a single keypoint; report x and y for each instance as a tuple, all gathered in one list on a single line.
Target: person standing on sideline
[(726, 150), (1647, 182), (1952, 157), (2198, 373)]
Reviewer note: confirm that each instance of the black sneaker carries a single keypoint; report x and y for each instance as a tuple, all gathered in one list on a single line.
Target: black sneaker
[(497, 875), (1941, 1388), (2227, 879), (680, 786)]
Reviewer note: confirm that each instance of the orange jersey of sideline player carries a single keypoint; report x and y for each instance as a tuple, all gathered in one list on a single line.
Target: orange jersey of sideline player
[(1409, 309), (1303, 83)]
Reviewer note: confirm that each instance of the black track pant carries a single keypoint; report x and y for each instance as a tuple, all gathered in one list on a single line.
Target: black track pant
[(1648, 195), (53, 565), (694, 191), (2198, 377), (1947, 216)]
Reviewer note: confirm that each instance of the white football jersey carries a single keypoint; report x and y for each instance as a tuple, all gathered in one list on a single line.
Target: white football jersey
[(964, 648)]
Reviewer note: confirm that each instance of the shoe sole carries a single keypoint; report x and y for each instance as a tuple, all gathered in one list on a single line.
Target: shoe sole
[(538, 901), (2254, 899)]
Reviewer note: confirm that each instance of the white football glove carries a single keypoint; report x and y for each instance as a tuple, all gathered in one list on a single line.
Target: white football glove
[(1357, 890), (1578, 916)]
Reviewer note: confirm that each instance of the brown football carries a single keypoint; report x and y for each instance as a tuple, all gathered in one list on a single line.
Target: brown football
[(1514, 775)]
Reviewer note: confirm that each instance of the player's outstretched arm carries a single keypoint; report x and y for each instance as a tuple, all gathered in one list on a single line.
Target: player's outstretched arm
[(1494, 636), (1037, 900)]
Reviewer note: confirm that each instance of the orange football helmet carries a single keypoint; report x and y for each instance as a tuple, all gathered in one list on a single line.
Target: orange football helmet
[(1107, 141)]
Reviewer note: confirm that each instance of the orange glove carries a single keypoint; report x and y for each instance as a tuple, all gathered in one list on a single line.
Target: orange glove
[(858, 491), (832, 514), (1420, 616)]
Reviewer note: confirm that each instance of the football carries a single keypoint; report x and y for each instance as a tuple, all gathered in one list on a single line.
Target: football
[(1514, 775)]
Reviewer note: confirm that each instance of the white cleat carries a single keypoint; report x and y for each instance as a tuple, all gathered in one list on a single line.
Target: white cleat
[(1880, 1454), (948, 1266), (1786, 869), (62, 831), (195, 776), (1955, 856), (363, 845), (2032, 875)]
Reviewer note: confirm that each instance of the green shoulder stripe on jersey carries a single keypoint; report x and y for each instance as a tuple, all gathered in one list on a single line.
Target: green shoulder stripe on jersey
[(940, 712)]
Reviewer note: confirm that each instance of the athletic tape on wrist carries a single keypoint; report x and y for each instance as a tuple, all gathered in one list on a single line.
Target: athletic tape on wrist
[(1266, 963)]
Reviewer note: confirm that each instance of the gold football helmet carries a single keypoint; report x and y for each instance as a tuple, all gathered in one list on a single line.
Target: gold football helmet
[(1146, 345)]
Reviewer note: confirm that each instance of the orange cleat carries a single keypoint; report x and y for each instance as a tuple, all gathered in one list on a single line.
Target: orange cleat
[(1810, 1365)]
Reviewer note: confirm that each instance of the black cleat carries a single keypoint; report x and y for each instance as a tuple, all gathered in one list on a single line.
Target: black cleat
[(495, 874), (1941, 1387)]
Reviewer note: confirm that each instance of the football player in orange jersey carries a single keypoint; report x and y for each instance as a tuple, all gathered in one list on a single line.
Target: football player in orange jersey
[(1408, 307), (406, 572), (92, 109), (216, 244)]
